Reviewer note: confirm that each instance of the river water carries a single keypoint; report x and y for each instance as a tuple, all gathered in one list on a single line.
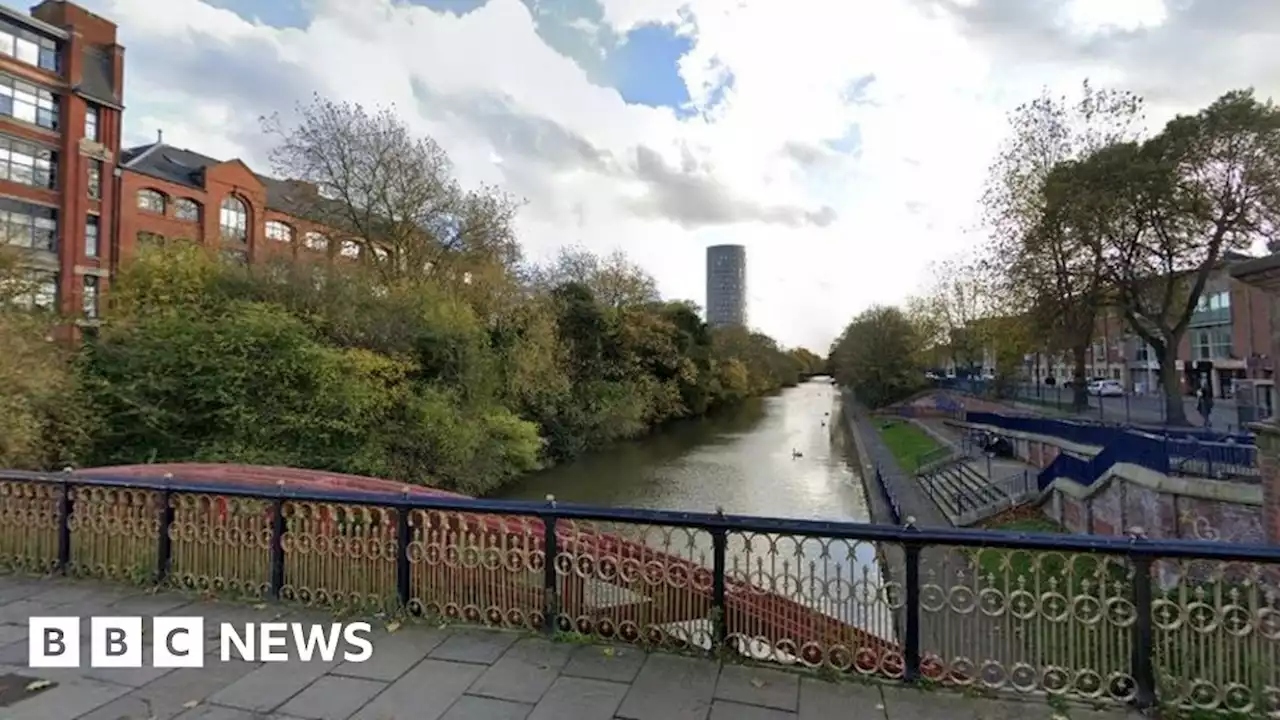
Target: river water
[(780, 456), (743, 460)]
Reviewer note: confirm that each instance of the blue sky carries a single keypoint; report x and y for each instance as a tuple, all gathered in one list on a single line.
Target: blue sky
[(641, 65)]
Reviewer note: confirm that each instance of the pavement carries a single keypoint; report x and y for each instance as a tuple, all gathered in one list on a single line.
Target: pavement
[(424, 672), (1127, 409)]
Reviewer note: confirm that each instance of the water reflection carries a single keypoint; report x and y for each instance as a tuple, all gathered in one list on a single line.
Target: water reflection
[(776, 457)]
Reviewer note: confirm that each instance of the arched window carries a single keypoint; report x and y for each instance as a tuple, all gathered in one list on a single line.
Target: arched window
[(278, 231), (187, 209), (316, 241), (350, 249), (151, 201), (234, 220)]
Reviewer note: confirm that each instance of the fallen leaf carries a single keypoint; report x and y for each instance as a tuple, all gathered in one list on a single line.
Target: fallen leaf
[(260, 606), (393, 626), (35, 685), (608, 652), (190, 704), (757, 683), (879, 706)]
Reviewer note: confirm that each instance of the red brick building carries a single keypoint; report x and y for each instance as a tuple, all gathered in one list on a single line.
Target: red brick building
[(61, 104), (167, 193)]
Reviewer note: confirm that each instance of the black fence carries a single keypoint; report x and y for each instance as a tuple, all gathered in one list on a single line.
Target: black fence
[(1182, 623)]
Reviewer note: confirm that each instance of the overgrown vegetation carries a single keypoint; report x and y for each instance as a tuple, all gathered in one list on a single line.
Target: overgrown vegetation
[(439, 357)]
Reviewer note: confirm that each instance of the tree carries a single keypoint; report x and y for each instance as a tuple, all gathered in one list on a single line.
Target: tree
[(614, 281), (877, 356), (45, 420), (1045, 259), (366, 177), (958, 301), (1209, 183)]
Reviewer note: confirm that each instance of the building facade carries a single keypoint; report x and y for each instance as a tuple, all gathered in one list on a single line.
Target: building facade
[(1228, 339), (61, 105), (727, 286)]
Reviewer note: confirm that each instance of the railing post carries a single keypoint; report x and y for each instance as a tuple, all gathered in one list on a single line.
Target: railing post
[(404, 588), (1142, 662), (550, 585), (719, 601), (277, 544), (164, 543), (911, 634), (65, 508)]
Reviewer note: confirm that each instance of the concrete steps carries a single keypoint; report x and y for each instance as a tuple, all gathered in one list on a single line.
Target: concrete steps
[(958, 489)]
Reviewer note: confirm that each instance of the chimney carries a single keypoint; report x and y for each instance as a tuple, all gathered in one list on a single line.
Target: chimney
[(159, 137)]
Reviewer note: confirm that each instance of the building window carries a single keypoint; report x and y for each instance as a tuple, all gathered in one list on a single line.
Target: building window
[(28, 47), (235, 257), (151, 201), (28, 103), (316, 241), (381, 254), (91, 122), (95, 182), (278, 231), (234, 220), (187, 209), (91, 236), (37, 290), (90, 297), (349, 249), (25, 225), (1211, 343), (149, 239), (27, 163)]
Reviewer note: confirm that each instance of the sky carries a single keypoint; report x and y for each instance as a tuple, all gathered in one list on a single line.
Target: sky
[(843, 142)]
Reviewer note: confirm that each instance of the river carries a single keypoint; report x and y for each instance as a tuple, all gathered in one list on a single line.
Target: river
[(740, 459), (776, 456)]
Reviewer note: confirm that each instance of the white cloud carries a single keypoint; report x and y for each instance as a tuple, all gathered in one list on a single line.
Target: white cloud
[(934, 93)]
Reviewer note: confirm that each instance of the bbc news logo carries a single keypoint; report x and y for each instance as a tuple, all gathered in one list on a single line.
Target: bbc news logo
[(178, 642)]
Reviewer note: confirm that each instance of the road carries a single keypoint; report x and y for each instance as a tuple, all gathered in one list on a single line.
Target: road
[(1130, 409)]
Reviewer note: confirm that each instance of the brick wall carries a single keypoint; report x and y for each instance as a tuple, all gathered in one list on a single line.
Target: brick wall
[(1122, 506)]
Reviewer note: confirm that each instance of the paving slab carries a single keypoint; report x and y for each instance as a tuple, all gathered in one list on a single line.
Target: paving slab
[(671, 687), (425, 672), (758, 686), (397, 652), (428, 690), (473, 707), (524, 672), (606, 662), (332, 697), (580, 699)]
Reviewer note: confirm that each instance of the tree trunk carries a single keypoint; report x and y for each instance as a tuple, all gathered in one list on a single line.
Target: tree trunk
[(1175, 411), (1079, 389)]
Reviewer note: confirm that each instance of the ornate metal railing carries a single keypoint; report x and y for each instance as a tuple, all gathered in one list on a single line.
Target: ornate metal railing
[(1185, 623)]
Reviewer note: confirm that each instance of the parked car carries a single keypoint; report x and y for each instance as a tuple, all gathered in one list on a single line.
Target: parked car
[(1106, 388)]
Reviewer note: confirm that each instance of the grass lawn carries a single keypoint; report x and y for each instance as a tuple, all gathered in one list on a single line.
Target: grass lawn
[(907, 442)]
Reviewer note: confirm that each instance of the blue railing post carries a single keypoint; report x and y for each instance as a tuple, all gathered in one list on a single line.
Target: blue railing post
[(550, 583), (164, 543), (404, 569), (719, 593), (911, 606), (66, 500)]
